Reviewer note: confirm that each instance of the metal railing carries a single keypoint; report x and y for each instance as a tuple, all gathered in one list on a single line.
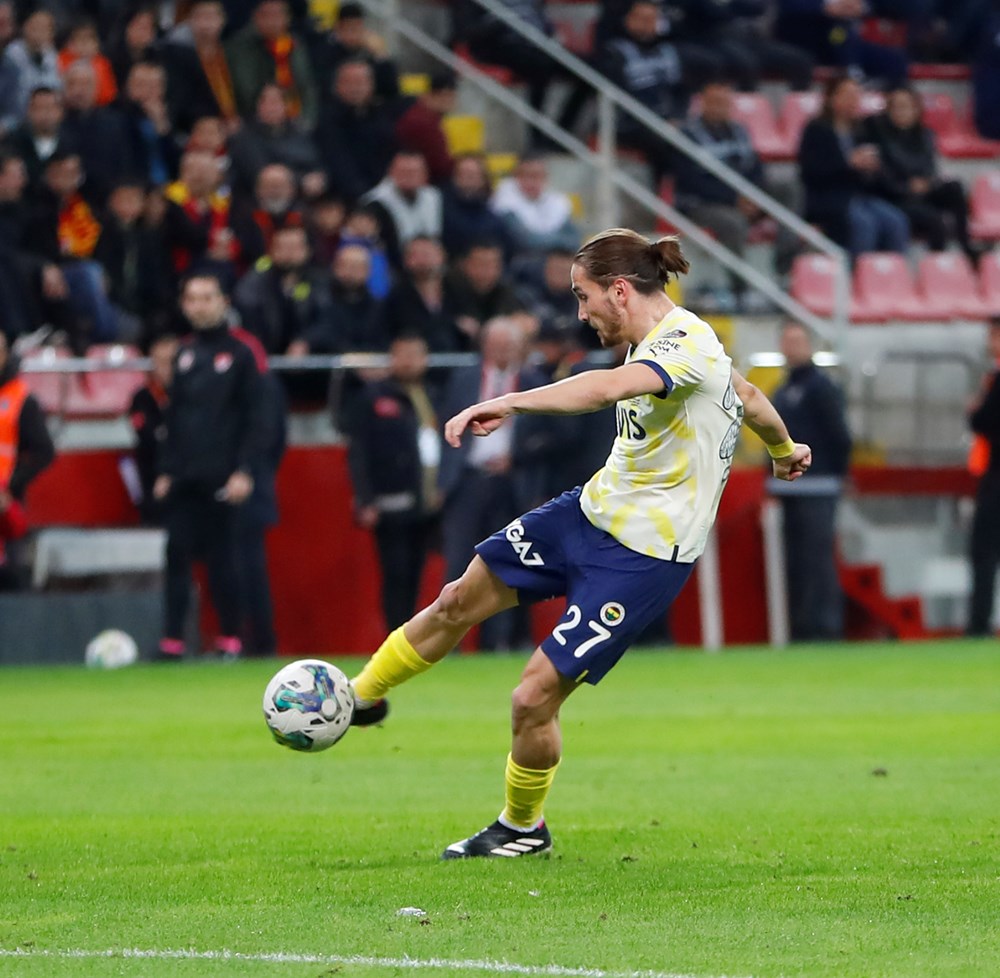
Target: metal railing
[(612, 178)]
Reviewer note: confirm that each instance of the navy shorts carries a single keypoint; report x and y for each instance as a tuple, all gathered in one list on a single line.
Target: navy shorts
[(612, 593)]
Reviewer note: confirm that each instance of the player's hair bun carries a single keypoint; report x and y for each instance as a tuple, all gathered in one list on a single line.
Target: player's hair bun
[(669, 258)]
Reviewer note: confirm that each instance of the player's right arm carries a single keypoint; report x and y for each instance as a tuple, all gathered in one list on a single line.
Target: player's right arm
[(790, 460), (590, 391)]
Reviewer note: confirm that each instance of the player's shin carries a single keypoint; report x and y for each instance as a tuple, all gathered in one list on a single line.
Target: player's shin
[(526, 791), (395, 661)]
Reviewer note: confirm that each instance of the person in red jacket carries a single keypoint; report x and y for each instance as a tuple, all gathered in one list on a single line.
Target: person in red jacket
[(419, 130)]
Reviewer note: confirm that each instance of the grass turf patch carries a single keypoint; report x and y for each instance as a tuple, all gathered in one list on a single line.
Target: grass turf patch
[(819, 812)]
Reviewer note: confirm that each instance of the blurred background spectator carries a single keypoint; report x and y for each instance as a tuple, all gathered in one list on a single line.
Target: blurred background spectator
[(813, 408), (394, 456)]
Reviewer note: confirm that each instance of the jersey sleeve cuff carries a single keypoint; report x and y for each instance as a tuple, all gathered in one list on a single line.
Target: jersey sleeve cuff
[(668, 382)]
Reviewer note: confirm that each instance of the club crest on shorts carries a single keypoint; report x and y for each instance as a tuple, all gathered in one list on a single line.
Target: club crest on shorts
[(612, 614)]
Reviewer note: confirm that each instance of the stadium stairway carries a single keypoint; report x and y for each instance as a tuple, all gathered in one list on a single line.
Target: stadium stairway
[(871, 613)]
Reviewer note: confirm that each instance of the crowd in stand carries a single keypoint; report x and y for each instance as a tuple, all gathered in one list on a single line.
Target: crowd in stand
[(142, 144)]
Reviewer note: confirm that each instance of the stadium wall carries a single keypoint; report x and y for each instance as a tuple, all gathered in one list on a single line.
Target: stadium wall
[(323, 569)]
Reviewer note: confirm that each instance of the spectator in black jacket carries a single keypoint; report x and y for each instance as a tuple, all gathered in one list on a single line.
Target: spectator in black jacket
[(418, 305), (705, 198), (355, 314), (95, 133), (394, 454), (813, 407), (986, 77), (199, 82), (731, 29), (830, 30), (272, 137), (352, 40), (152, 151), (284, 301), (41, 134), (133, 41), (273, 205), (656, 72), (133, 255), (840, 170), (215, 434), (938, 209), (355, 132), (26, 450), (984, 420), (465, 204), (148, 416), (476, 291)]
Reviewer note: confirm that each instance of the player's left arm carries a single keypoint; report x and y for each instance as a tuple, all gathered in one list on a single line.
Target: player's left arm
[(590, 391), (790, 460)]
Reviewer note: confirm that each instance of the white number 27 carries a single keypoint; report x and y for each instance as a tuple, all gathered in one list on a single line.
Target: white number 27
[(574, 615)]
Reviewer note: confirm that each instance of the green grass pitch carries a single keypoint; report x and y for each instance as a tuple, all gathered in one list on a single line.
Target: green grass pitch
[(824, 812)]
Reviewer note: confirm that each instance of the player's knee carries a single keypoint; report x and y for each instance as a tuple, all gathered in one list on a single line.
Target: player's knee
[(452, 605), (530, 706)]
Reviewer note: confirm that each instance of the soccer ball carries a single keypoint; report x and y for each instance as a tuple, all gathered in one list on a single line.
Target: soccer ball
[(111, 649), (308, 705)]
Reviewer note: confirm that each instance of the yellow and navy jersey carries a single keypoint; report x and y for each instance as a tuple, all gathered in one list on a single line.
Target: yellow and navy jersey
[(659, 490)]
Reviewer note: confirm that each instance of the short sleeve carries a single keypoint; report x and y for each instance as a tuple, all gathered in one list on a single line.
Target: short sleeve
[(679, 358)]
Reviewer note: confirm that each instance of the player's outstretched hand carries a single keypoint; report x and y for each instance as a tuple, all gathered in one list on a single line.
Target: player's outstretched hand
[(480, 419), (795, 465)]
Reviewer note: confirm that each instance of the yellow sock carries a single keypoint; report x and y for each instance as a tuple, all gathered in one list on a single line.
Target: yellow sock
[(526, 791), (395, 661)]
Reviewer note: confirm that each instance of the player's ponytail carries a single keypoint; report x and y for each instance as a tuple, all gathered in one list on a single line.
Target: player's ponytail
[(621, 253), (670, 257)]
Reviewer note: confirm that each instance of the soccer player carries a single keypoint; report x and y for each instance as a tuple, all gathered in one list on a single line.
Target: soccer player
[(621, 547)]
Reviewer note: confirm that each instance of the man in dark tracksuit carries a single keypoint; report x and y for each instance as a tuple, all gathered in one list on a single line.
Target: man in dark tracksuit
[(813, 408), (214, 434), (984, 420), (393, 457)]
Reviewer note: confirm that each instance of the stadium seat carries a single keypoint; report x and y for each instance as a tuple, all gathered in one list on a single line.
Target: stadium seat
[(812, 283), (984, 207), (105, 393), (754, 111), (948, 288), (464, 133), (989, 281), (964, 143), (796, 110), (884, 289), (414, 83), (939, 113), (50, 389), (939, 72)]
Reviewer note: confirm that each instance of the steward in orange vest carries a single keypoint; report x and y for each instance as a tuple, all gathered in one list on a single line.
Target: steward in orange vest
[(25, 449)]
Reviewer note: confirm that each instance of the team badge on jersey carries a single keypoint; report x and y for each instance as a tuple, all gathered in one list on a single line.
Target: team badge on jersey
[(185, 361), (222, 362), (612, 614)]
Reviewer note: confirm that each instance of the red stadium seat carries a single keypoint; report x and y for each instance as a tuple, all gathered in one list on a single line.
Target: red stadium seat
[(105, 393), (989, 281), (948, 288), (984, 207), (813, 283), (883, 289), (796, 110), (963, 142), (755, 112), (50, 390), (939, 113), (941, 72)]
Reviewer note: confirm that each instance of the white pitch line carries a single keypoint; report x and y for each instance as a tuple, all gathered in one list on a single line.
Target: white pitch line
[(281, 957)]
